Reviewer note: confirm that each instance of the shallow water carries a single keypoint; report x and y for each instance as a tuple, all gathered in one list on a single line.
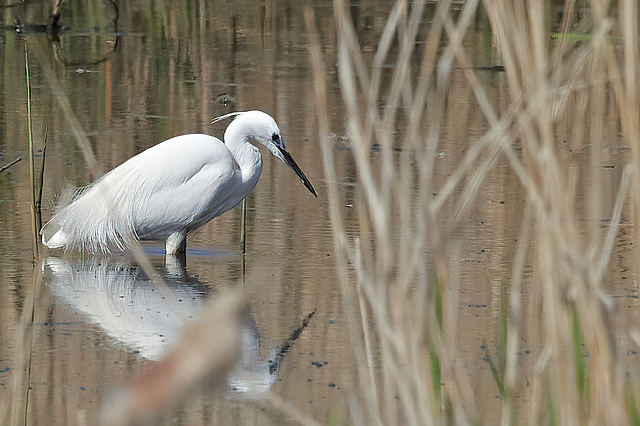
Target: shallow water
[(161, 70)]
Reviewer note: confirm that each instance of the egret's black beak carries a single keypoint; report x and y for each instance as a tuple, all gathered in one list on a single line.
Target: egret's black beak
[(288, 160)]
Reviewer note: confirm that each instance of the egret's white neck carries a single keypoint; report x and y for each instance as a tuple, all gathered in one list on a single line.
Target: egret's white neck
[(246, 155)]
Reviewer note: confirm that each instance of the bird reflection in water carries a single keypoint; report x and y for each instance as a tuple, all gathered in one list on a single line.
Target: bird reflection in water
[(120, 299)]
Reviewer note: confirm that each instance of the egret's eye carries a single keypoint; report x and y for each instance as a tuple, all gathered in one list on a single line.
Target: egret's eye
[(277, 140)]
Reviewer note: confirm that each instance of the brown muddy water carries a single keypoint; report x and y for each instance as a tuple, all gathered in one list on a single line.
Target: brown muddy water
[(153, 70)]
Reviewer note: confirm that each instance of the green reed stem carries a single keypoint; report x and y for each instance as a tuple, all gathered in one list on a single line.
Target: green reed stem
[(632, 408), (436, 373), (495, 371), (34, 222), (552, 410), (578, 357), (504, 334)]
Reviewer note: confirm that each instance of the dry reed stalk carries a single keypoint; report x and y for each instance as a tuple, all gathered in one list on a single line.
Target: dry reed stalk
[(414, 333), (361, 341), (568, 269), (404, 356), (16, 410), (209, 348)]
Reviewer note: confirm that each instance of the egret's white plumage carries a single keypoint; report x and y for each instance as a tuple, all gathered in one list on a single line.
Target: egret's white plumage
[(169, 190)]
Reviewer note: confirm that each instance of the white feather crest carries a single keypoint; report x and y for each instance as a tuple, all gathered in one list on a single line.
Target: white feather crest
[(224, 117)]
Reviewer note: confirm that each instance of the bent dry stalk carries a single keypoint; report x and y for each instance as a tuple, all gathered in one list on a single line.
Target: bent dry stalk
[(41, 181)]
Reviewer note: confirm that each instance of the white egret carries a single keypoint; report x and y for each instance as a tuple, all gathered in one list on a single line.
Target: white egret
[(171, 189)]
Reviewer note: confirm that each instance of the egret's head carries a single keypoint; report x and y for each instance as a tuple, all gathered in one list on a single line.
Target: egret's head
[(262, 128)]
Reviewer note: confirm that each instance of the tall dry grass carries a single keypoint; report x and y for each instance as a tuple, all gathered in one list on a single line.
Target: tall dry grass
[(403, 262)]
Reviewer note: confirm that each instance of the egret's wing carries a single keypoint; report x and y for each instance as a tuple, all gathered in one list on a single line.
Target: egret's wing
[(191, 203)]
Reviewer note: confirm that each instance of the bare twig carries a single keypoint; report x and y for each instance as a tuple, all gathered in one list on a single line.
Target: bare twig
[(6, 166)]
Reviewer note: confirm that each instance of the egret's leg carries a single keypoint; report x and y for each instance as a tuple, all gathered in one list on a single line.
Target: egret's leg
[(176, 243), (176, 266)]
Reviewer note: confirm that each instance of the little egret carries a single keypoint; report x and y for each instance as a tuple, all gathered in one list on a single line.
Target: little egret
[(171, 189)]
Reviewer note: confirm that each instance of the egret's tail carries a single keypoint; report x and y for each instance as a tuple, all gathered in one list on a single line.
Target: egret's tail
[(53, 236), (88, 222)]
